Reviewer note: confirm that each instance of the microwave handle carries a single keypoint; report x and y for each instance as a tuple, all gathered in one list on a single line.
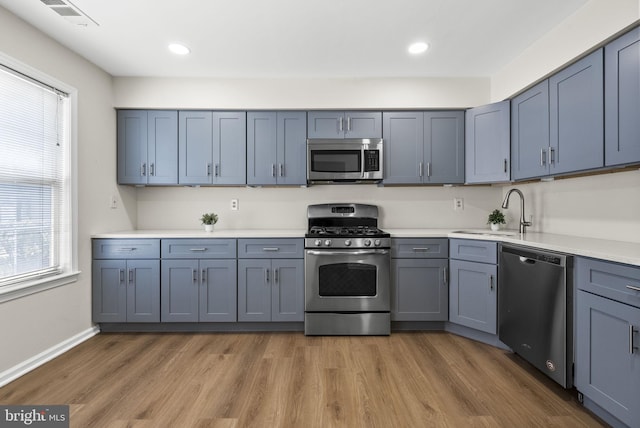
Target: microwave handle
[(362, 162)]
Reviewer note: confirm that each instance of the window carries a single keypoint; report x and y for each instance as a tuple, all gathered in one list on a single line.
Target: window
[(35, 182)]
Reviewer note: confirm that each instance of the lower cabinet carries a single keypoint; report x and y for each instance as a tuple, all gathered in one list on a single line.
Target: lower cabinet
[(270, 280), (608, 338), (419, 289), (473, 292)]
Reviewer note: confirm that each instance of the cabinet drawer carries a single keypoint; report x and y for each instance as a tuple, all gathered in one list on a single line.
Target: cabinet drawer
[(420, 248), (126, 248), (270, 248), (198, 248), (615, 281), (474, 251)]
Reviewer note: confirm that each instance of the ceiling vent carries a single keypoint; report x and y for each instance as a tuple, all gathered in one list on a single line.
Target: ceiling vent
[(70, 12)]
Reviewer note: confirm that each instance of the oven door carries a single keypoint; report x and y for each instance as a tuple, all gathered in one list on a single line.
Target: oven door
[(347, 280)]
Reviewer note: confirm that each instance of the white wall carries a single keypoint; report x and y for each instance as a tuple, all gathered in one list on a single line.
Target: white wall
[(602, 206), (31, 325)]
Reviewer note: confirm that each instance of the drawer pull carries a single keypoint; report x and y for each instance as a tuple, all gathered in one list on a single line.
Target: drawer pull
[(421, 249), (197, 249), (631, 347), (631, 287), (127, 249), (491, 282), (271, 249)]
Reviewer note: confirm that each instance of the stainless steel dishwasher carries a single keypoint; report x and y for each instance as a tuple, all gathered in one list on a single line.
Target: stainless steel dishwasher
[(535, 308)]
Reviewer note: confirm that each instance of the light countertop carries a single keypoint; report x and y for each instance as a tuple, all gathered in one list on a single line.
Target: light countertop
[(616, 251)]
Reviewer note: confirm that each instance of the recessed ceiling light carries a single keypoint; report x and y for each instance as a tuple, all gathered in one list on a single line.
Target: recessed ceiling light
[(418, 48), (179, 49)]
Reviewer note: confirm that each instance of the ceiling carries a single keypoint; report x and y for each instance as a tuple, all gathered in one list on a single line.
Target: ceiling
[(300, 38)]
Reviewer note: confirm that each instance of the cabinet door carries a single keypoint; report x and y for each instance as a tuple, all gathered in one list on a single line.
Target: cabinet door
[(419, 291), (444, 147), (180, 296), (254, 290), (622, 99), (229, 148), (162, 147), (287, 298), (218, 291), (143, 291), (109, 291), (363, 124), (292, 148), (325, 124), (132, 147), (487, 143), (403, 134), (195, 147), (473, 297), (607, 355), (530, 132), (261, 148), (576, 105)]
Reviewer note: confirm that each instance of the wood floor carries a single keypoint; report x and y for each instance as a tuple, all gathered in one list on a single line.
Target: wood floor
[(412, 379)]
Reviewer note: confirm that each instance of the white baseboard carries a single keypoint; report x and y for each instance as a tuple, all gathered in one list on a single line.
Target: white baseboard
[(45, 356)]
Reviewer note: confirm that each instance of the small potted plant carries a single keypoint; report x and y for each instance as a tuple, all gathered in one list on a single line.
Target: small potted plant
[(209, 219), (496, 218)]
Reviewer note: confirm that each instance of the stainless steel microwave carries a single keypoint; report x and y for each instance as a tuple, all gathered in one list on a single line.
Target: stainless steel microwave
[(348, 160)]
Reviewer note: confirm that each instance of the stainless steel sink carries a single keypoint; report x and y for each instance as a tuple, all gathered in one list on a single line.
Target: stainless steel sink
[(487, 232)]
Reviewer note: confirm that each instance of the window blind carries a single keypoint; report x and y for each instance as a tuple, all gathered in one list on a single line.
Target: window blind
[(34, 191)]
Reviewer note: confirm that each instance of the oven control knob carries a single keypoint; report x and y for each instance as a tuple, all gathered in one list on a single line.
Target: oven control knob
[(327, 242), (317, 242), (347, 243), (376, 243), (367, 242)]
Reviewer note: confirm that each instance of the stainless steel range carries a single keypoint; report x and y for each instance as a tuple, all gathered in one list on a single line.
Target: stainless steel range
[(347, 280)]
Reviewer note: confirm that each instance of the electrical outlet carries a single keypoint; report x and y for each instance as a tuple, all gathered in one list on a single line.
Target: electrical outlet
[(458, 204), (234, 205), (114, 202)]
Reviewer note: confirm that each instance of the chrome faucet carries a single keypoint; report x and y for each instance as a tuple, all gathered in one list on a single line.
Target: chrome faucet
[(505, 205)]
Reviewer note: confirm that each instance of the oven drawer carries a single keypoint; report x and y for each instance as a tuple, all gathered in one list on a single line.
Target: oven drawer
[(271, 248), (420, 248)]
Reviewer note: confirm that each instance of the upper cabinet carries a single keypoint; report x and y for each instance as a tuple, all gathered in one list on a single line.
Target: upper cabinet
[(147, 147), (570, 106), (487, 143), (276, 148), (423, 147), (622, 99), (344, 124), (212, 147)]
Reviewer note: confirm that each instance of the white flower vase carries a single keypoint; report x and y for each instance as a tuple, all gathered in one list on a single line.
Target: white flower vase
[(208, 228), (495, 227)]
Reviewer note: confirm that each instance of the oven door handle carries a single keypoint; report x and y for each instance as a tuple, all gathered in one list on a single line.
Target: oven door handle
[(347, 253)]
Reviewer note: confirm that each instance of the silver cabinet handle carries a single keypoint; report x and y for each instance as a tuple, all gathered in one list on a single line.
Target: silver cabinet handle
[(420, 248), (348, 123), (266, 275), (340, 124), (217, 170), (130, 275), (551, 159), (445, 276), (543, 155), (273, 169), (128, 250), (281, 170), (505, 165), (204, 276), (121, 275), (631, 287), (420, 168), (428, 169), (208, 169), (152, 169), (631, 347), (491, 282), (197, 249), (275, 276), (195, 275), (143, 169), (271, 249)]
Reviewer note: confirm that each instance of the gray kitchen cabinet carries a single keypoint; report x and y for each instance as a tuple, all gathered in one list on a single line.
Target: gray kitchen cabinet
[(622, 99), (199, 280), (487, 142), (473, 294), (419, 289), (344, 124), (212, 148), (147, 147), (423, 147), (276, 148), (270, 280), (608, 339), (570, 106), (125, 280)]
